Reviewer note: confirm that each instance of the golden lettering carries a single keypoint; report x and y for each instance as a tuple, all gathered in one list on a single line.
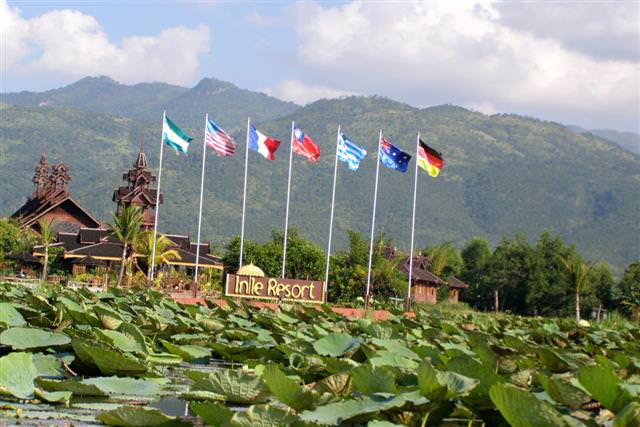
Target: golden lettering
[(272, 286)]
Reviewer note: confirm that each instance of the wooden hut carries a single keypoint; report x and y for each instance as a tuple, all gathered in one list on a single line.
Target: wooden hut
[(455, 285)]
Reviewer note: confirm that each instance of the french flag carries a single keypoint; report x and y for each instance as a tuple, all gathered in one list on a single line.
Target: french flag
[(262, 143)]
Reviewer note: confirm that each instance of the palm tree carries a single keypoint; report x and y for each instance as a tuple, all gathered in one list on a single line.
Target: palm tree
[(126, 227), (164, 250), (579, 274), (47, 236)]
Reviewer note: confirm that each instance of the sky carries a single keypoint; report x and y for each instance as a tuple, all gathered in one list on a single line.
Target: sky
[(574, 62)]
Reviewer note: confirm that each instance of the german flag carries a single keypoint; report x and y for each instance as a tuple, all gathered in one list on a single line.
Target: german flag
[(429, 159)]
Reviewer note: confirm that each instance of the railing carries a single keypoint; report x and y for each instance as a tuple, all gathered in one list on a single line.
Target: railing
[(17, 280)]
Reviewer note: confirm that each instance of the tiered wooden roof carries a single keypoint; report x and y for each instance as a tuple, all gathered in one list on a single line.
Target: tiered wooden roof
[(51, 200), (138, 189)]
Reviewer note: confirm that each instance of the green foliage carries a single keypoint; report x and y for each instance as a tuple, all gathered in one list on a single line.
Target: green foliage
[(628, 290)]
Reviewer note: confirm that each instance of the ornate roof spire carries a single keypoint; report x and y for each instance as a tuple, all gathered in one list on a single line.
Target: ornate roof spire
[(141, 161)]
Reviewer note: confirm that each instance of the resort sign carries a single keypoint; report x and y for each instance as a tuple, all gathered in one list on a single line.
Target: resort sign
[(275, 289)]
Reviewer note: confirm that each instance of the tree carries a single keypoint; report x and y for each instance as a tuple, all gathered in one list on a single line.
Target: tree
[(444, 260), (549, 290), (126, 227), (9, 237), (602, 284), (47, 236), (579, 276), (509, 270), (164, 253), (475, 257), (628, 291)]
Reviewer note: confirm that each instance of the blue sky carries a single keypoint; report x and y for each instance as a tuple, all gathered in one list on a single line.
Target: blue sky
[(572, 62)]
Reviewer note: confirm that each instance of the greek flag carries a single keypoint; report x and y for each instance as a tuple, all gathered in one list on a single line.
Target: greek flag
[(349, 152)]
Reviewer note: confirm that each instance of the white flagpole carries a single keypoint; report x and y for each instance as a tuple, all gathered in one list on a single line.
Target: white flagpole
[(413, 225), (155, 221), (333, 201), (204, 158), (373, 224), (286, 216), (244, 193)]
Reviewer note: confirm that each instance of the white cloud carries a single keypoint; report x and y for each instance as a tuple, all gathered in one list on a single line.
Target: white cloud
[(434, 52), (300, 93), (74, 44), (259, 20)]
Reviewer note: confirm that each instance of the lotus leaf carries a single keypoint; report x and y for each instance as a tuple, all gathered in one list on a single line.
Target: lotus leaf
[(336, 344), (288, 391), (9, 316), (211, 413), (629, 416), (17, 373), (26, 338), (263, 416), (119, 386), (75, 387), (108, 361), (563, 392), (187, 352), (235, 385), (339, 412), (603, 384), (370, 379), (134, 416), (522, 409)]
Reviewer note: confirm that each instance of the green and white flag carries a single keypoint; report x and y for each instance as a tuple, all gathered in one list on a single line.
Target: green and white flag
[(174, 137)]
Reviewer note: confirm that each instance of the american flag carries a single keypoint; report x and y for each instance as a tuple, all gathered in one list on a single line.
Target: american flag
[(219, 140)]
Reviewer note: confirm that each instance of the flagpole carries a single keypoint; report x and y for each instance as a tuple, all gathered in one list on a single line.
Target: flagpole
[(373, 224), (333, 201), (155, 221), (244, 193), (204, 158), (413, 225), (286, 216)]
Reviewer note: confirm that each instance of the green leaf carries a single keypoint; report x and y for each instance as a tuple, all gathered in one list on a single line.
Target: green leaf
[(120, 340), (339, 412), (378, 423), (188, 352), (603, 384), (522, 409), (75, 387), (137, 416), (336, 344), (563, 392), (9, 316), (629, 416), (164, 359), (263, 416), (126, 386), (212, 414), (370, 379), (26, 338), (552, 360), (17, 373), (438, 385), (287, 390), (108, 361), (388, 358), (235, 385), (54, 396)]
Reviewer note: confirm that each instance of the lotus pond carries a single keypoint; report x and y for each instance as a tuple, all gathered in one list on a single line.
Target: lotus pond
[(137, 358)]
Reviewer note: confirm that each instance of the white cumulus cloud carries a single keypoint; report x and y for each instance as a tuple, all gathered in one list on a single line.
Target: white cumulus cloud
[(301, 93), (472, 54), (71, 43)]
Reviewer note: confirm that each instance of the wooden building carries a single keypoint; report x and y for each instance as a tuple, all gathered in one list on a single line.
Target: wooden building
[(84, 242), (424, 284), (455, 286), (51, 201), (138, 191)]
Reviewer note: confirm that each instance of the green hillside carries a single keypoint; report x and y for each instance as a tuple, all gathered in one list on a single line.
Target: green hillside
[(223, 100), (504, 174)]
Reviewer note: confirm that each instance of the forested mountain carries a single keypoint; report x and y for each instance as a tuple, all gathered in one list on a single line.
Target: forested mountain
[(628, 140), (504, 174)]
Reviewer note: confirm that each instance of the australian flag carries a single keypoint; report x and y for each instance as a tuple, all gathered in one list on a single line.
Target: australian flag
[(393, 157)]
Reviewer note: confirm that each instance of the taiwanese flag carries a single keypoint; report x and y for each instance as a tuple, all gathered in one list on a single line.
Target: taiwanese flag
[(304, 146), (429, 159)]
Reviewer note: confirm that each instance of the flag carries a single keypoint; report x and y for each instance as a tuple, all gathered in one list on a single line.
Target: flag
[(393, 157), (262, 143), (174, 137), (429, 159), (216, 138), (304, 146), (349, 152)]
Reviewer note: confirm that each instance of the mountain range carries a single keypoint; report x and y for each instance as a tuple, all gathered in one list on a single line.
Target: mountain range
[(504, 174)]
